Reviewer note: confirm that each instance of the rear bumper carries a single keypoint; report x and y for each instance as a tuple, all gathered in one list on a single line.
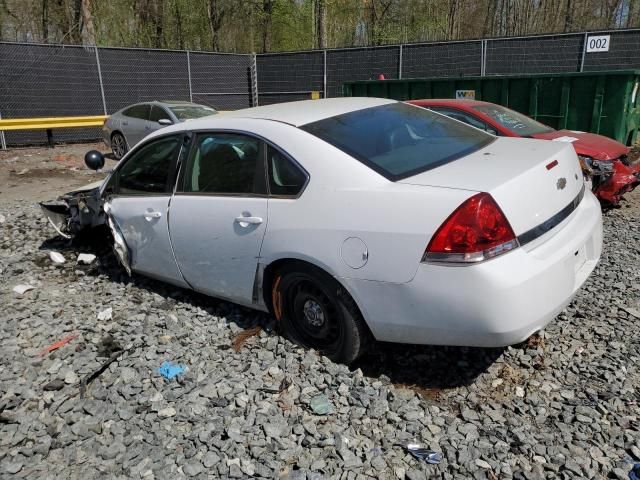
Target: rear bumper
[(106, 136), (497, 303)]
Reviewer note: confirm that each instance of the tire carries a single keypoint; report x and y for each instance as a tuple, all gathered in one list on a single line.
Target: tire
[(119, 145), (314, 311)]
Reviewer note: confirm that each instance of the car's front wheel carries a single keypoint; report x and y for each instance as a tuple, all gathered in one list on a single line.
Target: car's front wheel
[(316, 312), (118, 145)]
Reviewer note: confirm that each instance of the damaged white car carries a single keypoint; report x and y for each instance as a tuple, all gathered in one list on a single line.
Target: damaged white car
[(354, 218)]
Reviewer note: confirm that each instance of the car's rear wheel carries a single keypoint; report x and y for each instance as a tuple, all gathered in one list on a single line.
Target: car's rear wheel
[(118, 145), (316, 312)]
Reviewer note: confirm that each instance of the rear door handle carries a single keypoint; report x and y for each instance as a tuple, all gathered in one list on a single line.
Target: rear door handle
[(246, 221), (151, 215)]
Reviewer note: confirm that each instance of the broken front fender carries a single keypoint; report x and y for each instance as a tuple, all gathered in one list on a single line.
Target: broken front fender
[(119, 245), (75, 212), (622, 180)]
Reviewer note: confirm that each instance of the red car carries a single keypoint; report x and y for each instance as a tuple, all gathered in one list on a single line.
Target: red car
[(603, 160)]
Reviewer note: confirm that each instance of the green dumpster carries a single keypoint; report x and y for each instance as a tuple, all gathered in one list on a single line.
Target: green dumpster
[(598, 102)]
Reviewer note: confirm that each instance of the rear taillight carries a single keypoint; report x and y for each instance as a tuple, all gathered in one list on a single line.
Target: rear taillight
[(477, 230)]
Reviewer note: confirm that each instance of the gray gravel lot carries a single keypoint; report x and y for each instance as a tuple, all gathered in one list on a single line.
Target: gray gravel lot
[(564, 405)]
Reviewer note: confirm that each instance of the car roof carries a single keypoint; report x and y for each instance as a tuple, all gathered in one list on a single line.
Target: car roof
[(450, 102), (292, 113), (308, 111)]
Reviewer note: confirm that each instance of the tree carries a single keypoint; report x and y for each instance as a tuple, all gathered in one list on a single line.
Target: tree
[(273, 25), (216, 13), (87, 30), (320, 27), (267, 10)]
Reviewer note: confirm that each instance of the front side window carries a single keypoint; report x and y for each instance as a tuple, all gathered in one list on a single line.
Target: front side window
[(225, 163), (515, 121), (158, 113), (399, 140), (147, 171), (285, 177), (138, 111)]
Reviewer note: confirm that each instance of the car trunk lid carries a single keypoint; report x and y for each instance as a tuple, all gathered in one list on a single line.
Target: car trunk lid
[(530, 180)]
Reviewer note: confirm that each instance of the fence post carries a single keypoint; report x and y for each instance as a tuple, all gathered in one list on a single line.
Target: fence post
[(483, 58), (400, 63), (189, 74), (3, 141), (104, 101), (324, 74), (584, 50), (253, 70)]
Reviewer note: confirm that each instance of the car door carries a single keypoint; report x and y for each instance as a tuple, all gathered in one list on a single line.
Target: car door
[(157, 113), (134, 125), (219, 214), (139, 208)]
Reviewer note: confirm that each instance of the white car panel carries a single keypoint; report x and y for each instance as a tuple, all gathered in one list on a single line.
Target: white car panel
[(492, 303), (217, 251), (496, 303), (514, 171), (308, 111)]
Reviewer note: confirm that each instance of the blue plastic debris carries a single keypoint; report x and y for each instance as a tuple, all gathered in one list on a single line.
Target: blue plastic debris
[(168, 370), (634, 474)]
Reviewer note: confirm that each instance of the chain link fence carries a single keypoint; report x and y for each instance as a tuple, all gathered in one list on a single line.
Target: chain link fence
[(58, 81), (52, 80)]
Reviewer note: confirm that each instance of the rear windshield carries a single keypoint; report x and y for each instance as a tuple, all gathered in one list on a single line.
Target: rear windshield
[(516, 122), (184, 112), (399, 140)]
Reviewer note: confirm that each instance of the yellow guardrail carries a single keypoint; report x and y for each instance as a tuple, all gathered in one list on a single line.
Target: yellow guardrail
[(47, 123)]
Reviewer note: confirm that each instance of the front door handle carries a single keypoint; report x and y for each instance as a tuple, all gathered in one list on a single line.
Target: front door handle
[(151, 215), (246, 221)]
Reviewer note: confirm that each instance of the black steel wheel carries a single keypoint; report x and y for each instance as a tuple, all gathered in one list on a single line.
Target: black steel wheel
[(314, 311), (118, 145)]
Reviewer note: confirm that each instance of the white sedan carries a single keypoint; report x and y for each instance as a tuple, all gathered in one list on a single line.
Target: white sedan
[(354, 218)]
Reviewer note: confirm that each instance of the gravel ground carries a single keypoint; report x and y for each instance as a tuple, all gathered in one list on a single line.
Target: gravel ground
[(562, 405)]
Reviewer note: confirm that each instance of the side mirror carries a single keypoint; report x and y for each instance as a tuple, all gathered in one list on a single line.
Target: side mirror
[(94, 160), (165, 121)]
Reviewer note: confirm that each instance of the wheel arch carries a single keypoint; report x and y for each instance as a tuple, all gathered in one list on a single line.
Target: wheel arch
[(269, 275), (118, 131)]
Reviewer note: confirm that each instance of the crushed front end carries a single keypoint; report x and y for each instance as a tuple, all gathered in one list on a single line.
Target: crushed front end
[(611, 179), (75, 212)]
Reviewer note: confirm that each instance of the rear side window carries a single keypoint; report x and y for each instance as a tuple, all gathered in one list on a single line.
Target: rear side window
[(223, 163), (138, 111), (399, 140), (285, 177)]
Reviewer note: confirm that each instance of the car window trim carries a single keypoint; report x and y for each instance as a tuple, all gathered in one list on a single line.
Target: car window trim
[(295, 164), (180, 183), (168, 191)]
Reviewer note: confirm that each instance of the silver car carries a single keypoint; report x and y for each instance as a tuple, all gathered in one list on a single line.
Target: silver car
[(126, 127)]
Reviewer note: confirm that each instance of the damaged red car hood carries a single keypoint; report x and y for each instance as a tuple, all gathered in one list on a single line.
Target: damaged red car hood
[(591, 145)]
